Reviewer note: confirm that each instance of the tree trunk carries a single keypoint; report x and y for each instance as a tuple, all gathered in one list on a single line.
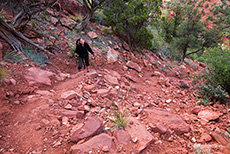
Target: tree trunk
[(82, 25), (11, 35)]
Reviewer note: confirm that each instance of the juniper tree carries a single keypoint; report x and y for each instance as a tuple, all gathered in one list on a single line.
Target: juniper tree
[(129, 20), (184, 30)]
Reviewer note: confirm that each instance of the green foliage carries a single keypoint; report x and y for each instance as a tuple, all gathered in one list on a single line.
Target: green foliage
[(129, 20), (228, 130), (77, 18), (3, 73), (206, 6), (218, 61), (13, 56), (107, 30), (222, 16), (119, 117), (38, 57), (185, 32)]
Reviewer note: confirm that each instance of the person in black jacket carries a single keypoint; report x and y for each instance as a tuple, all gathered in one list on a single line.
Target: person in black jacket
[(82, 50)]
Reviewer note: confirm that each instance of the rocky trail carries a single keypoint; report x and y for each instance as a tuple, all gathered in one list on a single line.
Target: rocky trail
[(54, 110)]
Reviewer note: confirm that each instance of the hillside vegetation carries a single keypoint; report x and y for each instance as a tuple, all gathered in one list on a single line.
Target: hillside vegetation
[(159, 81)]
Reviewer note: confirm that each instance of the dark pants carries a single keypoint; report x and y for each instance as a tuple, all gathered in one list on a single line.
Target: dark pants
[(81, 60)]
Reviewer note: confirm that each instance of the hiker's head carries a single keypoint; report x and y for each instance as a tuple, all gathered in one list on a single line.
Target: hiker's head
[(82, 41)]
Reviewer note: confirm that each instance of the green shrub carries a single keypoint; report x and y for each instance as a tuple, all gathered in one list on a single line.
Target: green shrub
[(37, 57), (77, 18), (218, 62), (119, 117), (107, 30), (13, 56)]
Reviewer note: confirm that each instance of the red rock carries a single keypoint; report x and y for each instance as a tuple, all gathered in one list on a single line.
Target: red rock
[(92, 75), (111, 79), (62, 76), (92, 35), (134, 66), (168, 119), (72, 7), (138, 130), (43, 92), (89, 87), (208, 115), (54, 20), (204, 138), (116, 47), (92, 127), (36, 75), (131, 78), (67, 22), (196, 110), (112, 55), (99, 141), (122, 136), (71, 113), (103, 92), (220, 139), (69, 95), (113, 73), (156, 73), (159, 129), (13, 81)]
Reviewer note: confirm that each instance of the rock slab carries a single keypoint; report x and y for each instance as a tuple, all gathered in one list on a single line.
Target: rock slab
[(167, 119), (101, 141), (92, 127)]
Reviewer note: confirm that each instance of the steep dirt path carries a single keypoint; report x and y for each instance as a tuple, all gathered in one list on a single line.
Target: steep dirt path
[(31, 127)]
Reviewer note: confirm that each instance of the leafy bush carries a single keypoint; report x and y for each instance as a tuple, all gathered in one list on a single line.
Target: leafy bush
[(218, 61), (216, 78)]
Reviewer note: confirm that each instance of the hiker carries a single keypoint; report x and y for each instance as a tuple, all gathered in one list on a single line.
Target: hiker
[(82, 50)]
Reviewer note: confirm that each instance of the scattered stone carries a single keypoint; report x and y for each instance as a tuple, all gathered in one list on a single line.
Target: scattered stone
[(69, 95), (116, 47), (196, 110), (99, 141), (43, 92), (105, 148), (208, 115), (62, 76), (112, 80), (103, 92), (71, 113), (168, 101), (13, 81), (112, 55), (134, 66), (67, 22), (17, 102), (204, 138), (167, 119), (220, 139), (159, 129), (54, 21), (136, 129), (68, 107), (92, 34), (45, 121), (65, 120), (122, 136), (90, 87), (36, 75), (156, 73), (92, 127)]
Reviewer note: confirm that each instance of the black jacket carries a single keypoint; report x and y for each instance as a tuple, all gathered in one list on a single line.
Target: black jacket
[(82, 51)]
